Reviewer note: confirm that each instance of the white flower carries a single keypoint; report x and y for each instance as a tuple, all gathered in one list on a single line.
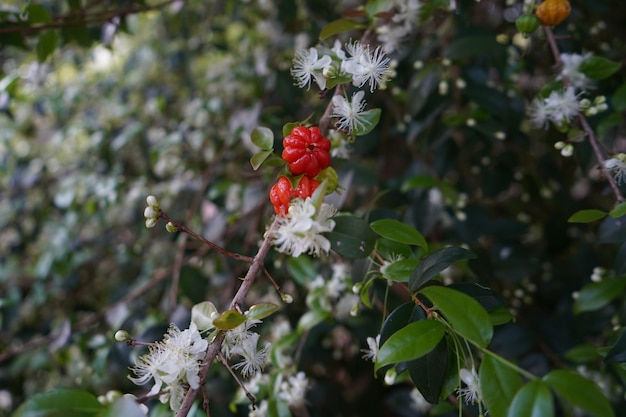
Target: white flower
[(253, 359), (559, 107), (174, 361), (350, 114), (372, 350), (471, 393), (260, 410), (300, 231), (293, 390), (307, 65), (418, 402), (365, 66), (617, 164), (571, 71)]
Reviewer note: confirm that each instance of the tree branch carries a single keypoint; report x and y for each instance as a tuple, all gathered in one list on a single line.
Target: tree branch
[(216, 346)]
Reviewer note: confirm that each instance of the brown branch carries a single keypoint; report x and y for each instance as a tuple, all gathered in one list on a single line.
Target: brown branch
[(215, 347), (81, 18)]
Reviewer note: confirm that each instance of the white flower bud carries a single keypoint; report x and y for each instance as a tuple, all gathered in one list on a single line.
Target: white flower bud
[(443, 87), (286, 298), (152, 201), (470, 122), (171, 227), (460, 83), (150, 223), (568, 150), (500, 135), (122, 336), (150, 213)]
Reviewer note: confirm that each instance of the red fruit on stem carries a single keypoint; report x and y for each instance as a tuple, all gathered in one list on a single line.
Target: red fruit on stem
[(306, 151)]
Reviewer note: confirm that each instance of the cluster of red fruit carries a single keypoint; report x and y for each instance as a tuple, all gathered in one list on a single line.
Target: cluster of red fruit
[(307, 153)]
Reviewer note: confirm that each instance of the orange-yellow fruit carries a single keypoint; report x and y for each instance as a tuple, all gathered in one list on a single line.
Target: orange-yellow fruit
[(553, 12)]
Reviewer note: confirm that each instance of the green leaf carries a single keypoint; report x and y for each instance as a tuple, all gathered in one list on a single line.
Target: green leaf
[(400, 271), (46, 45), (126, 407), (229, 319), (500, 315), (618, 211), (302, 269), (38, 14), (370, 119), (465, 315), (436, 262), (429, 372), (619, 98), (532, 400), (399, 232), (288, 127), (351, 237), (498, 385), (412, 341), (201, 315), (339, 26), (598, 294), (60, 402), (263, 137), (261, 311), (258, 158), (580, 392), (582, 354), (617, 353), (401, 316), (586, 216), (598, 67)]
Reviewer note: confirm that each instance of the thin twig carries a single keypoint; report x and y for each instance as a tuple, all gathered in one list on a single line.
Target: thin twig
[(215, 347), (232, 373), (593, 139)]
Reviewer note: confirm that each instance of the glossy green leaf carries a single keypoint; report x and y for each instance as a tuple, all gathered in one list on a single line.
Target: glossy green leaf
[(46, 45), (351, 237), (498, 385), (370, 119), (618, 211), (412, 341), (489, 299), (262, 137), (60, 402), (400, 271), (399, 232), (617, 353), (429, 372), (258, 158), (500, 315), (580, 392), (598, 67), (261, 311), (596, 295), (436, 262), (466, 316), (400, 317), (586, 216), (532, 400), (582, 354), (339, 26), (229, 319)]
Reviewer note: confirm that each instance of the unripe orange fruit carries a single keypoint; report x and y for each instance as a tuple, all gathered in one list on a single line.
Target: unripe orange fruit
[(553, 12)]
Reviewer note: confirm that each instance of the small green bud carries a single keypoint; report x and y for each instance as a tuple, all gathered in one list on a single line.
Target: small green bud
[(527, 24), (171, 227), (286, 298)]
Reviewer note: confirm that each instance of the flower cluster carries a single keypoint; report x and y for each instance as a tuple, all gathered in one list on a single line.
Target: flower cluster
[(402, 23), (173, 364), (335, 295), (243, 342), (152, 211), (571, 72), (471, 393), (300, 231), (360, 65), (560, 107)]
